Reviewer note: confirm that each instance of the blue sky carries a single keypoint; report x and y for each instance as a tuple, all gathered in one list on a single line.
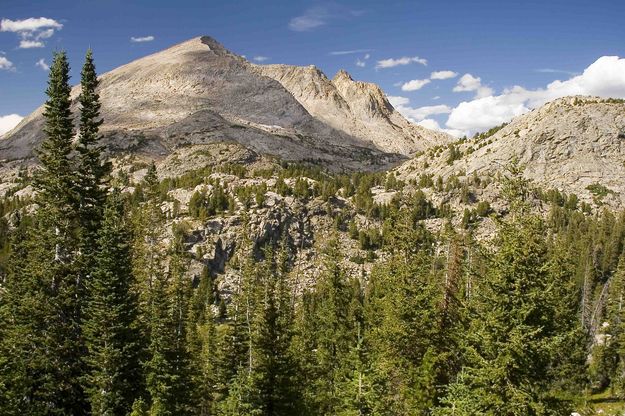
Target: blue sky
[(515, 48)]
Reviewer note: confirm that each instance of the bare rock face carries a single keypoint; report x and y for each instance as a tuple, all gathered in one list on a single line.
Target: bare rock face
[(569, 144), (197, 92), (359, 109)]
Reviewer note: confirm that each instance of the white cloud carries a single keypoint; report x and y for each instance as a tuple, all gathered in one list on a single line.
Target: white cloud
[(417, 114), (470, 83), (351, 52), (432, 124), (415, 84), (29, 44), (6, 64), (555, 71), (42, 64), (318, 16), (404, 60), (142, 39), (8, 122), (397, 101), (604, 78), (45, 34), (28, 25), (32, 31), (260, 58), (362, 62), (486, 112), (443, 74), (311, 19), (436, 97)]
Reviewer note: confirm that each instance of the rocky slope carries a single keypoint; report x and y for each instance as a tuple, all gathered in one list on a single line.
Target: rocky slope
[(359, 109), (198, 92), (571, 144)]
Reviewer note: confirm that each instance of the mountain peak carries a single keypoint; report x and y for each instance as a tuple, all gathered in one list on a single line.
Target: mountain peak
[(342, 75)]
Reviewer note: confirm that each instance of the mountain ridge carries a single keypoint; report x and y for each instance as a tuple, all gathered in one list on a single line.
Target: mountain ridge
[(571, 143), (197, 91)]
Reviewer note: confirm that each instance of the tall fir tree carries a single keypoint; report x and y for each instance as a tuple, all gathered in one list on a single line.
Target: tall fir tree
[(168, 374), (46, 339), (517, 330), (111, 329), (91, 169), (326, 331)]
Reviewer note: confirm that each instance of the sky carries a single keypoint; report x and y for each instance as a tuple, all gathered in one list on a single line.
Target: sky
[(458, 66)]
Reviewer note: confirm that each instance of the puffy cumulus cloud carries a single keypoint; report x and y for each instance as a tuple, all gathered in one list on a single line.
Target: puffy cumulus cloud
[(470, 83), (484, 113), (142, 39), (31, 24), (29, 44), (8, 122), (432, 124), (32, 31), (419, 115), (6, 64), (604, 78), (415, 84), (396, 100), (260, 58), (42, 64), (443, 74), (404, 60), (416, 114)]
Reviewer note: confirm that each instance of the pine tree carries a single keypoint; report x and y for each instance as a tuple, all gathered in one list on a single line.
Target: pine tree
[(181, 292), (273, 365), (114, 380), (404, 343), (91, 169), (168, 376), (46, 340), (517, 331), (202, 344), (326, 332)]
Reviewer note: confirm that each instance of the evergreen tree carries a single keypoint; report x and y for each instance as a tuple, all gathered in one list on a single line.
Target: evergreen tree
[(273, 366), (168, 376), (114, 380), (326, 332), (45, 338), (91, 170), (517, 332)]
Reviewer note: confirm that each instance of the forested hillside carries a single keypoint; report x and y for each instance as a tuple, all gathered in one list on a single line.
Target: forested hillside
[(425, 297)]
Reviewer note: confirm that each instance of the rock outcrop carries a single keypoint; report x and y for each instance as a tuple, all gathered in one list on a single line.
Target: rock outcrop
[(569, 144), (359, 109)]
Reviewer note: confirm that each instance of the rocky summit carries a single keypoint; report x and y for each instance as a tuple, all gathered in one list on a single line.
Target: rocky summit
[(574, 144), (198, 92)]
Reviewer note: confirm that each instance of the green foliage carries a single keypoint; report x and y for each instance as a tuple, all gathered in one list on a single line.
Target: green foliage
[(523, 320), (113, 341)]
